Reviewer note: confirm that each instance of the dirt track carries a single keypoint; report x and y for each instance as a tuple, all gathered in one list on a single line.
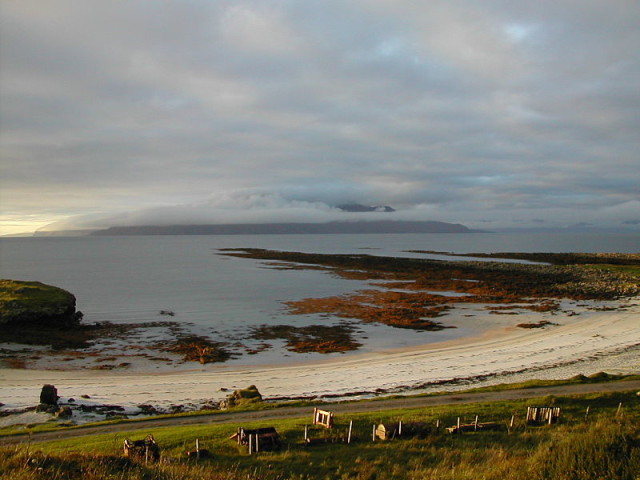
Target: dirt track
[(339, 408)]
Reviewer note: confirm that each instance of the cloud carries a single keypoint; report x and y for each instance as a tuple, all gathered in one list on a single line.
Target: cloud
[(227, 207), (476, 110)]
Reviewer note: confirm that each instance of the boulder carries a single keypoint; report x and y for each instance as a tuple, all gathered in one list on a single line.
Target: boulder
[(46, 408), (49, 395)]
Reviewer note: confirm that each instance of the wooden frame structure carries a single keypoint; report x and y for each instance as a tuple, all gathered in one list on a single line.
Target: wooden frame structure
[(542, 415), (146, 449), (257, 439), (323, 418)]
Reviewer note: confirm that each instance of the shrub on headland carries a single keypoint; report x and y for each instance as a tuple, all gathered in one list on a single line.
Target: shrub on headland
[(242, 397)]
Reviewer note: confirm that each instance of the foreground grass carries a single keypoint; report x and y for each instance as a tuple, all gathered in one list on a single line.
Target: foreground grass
[(605, 444)]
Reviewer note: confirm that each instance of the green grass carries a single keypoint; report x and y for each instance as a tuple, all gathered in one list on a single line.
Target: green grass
[(600, 377), (31, 293), (603, 446)]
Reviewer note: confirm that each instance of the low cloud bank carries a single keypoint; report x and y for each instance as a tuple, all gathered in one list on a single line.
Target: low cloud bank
[(252, 206)]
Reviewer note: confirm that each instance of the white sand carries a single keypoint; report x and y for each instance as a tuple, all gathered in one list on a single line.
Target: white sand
[(587, 343)]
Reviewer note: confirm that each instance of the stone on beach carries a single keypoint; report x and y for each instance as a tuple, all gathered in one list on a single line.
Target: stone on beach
[(49, 395)]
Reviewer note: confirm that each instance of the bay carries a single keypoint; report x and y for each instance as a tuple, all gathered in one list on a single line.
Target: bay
[(131, 279)]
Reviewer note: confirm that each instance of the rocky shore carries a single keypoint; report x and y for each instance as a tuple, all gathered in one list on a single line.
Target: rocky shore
[(411, 292), (42, 329)]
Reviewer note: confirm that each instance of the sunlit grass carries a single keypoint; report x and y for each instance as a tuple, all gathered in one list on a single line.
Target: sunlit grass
[(604, 444)]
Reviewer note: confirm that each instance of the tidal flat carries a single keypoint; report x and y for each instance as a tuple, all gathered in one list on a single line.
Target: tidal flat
[(404, 293), (410, 292)]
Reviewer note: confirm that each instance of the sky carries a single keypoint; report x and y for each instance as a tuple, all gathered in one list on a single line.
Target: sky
[(494, 114)]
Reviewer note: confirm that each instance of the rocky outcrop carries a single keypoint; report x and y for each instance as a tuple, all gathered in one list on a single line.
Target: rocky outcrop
[(34, 303), (49, 395)]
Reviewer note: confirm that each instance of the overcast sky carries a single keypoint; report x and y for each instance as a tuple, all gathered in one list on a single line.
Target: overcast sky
[(487, 113)]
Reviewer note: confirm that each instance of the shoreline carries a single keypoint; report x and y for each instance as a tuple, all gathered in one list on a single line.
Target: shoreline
[(584, 344)]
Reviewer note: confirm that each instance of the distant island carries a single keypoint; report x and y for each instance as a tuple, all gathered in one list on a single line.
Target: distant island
[(353, 227)]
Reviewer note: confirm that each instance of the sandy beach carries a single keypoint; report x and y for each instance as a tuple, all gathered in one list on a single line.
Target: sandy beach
[(587, 343)]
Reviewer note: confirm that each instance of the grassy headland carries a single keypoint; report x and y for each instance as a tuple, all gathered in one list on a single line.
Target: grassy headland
[(34, 303)]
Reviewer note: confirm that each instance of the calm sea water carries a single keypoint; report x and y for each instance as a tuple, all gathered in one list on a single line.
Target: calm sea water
[(131, 279)]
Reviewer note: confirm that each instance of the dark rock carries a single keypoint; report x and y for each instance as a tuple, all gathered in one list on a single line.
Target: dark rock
[(64, 412), (116, 416), (49, 395), (112, 408), (101, 409), (46, 408), (148, 409)]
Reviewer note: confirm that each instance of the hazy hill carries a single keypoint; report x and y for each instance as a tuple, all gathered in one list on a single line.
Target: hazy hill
[(380, 226)]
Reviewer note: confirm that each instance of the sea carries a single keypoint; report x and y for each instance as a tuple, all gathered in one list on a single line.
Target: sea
[(132, 279)]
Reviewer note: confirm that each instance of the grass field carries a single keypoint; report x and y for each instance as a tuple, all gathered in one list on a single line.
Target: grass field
[(603, 444)]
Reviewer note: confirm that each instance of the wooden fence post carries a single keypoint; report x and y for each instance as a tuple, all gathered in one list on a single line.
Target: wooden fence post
[(438, 425), (475, 424), (513, 418), (349, 435), (400, 428), (586, 414), (373, 438), (250, 444)]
